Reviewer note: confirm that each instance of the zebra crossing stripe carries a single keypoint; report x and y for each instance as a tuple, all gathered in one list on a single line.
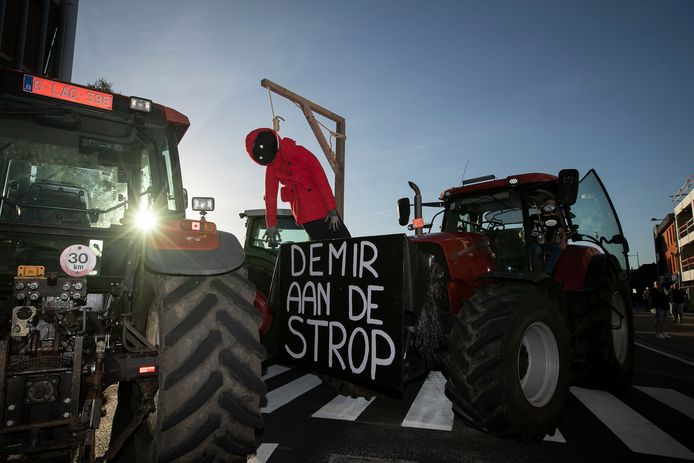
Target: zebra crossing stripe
[(274, 370), (431, 409), (556, 437), (343, 408), (290, 391), (673, 399), (674, 357), (635, 431), (263, 453)]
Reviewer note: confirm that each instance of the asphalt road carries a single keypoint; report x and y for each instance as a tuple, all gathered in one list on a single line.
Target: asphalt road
[(306, 422)]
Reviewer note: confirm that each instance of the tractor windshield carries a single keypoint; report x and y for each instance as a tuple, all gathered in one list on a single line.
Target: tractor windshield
[(60, 167), (290, 232), (499, 215), (488, 211)]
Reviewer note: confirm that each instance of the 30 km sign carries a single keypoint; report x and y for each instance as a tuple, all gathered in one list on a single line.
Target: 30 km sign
[(341, 306), (78, 260)]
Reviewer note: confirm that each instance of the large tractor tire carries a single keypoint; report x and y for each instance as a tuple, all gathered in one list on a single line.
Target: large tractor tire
[(603, 336), (508, 362), (208, 403)]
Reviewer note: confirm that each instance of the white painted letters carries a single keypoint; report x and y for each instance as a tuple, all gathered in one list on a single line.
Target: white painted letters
[(299, 335), (294, 295), (332, 253), (364, 264), (295, 272), (375, 359), (336, 311), (312, 259)]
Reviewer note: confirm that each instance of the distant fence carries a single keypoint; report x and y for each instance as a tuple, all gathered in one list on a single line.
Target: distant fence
[(684, 190), (686, 228)]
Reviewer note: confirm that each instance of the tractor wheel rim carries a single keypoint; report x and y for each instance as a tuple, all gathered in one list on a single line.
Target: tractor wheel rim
[(620, 332), (538, 364)]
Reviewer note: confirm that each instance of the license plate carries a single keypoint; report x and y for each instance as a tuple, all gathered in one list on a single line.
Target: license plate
[(67, 92)]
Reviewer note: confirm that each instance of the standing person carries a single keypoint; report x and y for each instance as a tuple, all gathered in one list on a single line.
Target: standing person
[(676, 296), (647, 298), (306, 187), (659, 301)]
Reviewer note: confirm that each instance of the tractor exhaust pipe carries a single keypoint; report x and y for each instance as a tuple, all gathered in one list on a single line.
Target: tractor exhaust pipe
[(418, 222)]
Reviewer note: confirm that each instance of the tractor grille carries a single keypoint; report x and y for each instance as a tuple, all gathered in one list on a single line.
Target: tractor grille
[(45, 362)]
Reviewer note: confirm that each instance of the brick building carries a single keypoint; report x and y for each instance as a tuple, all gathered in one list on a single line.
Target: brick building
[(666, 250)]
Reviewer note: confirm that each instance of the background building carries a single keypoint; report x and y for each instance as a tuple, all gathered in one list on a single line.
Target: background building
[(666, 255), (683, 201), (38, 36), (673, 238)]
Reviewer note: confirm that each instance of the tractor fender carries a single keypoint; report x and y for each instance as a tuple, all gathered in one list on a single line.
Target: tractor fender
[(583, 268), (228, 256), (600, 265), (532, 277)]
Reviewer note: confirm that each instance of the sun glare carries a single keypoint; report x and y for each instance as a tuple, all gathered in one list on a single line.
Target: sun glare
[(146, 220)]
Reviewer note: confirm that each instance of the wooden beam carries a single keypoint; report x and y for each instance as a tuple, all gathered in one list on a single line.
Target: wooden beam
[(337, 158), (320, 137), (278, 89)]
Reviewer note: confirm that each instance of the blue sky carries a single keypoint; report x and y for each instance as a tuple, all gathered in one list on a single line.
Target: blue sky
[(425, 87)]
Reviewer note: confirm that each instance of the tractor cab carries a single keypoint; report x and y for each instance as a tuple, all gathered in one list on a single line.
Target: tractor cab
[(261, 255), (82, 166), (73, 164), (519, 219)]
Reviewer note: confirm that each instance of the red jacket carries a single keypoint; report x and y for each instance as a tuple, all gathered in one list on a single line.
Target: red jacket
[(306, 187)]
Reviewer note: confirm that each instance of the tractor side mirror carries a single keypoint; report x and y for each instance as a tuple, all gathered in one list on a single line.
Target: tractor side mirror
[(619, 239), (567, 186), (403, 211)]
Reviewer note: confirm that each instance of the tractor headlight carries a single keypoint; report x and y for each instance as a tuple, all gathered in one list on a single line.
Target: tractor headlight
[(145, 220)]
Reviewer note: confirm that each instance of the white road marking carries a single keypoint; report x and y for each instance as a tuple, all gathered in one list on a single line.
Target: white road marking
[(274, 370), (679, 359), (263, 453), (343, 408), (290, 391), (556, 437), (637, 433), (673, 399), (431, 409)]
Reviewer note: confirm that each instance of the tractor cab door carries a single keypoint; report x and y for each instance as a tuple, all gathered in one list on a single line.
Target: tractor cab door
[(597, 219)]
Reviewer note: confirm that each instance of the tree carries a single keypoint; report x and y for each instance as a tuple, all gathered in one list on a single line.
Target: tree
[(102, 85)]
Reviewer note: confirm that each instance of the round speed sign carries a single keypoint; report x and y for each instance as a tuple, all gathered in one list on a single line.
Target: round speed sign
[(77, 260)]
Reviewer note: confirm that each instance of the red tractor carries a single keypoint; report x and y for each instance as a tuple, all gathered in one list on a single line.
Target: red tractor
[(521, 293)]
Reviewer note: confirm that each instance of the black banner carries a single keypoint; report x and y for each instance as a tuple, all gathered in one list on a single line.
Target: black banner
[(340, 306)]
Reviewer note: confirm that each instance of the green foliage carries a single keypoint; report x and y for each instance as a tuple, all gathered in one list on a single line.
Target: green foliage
[(102, 85)]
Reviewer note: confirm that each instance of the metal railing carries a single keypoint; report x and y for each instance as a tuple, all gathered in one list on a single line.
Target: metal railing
[(686, 228), (688, 264), (683, 191)]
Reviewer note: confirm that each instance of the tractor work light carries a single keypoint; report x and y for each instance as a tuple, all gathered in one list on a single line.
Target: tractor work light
[(140, 104), (201, 204)]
